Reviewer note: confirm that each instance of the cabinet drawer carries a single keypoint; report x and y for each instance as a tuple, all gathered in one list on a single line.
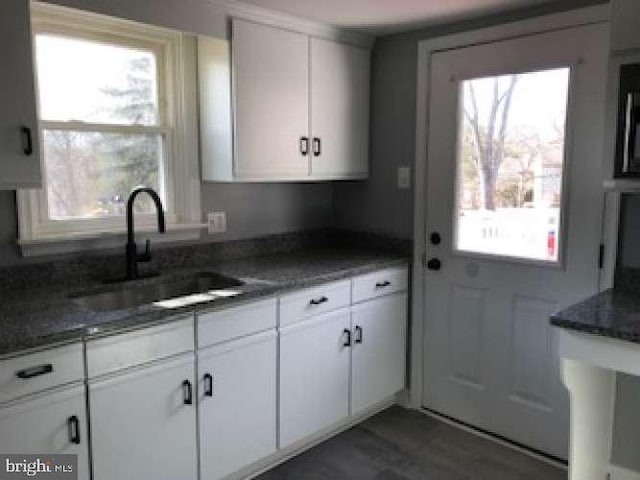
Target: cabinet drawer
[(312, 301), (222, 325), (33, 372), (382, 282), (117, 352)]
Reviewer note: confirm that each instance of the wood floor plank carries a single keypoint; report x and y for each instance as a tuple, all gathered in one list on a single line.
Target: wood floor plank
[(400, 444)]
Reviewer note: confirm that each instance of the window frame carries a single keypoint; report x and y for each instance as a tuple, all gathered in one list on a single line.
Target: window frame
[(177, 112)]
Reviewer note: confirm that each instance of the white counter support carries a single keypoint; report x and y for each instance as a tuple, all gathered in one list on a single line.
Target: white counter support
[(590, 364), (592, 395)]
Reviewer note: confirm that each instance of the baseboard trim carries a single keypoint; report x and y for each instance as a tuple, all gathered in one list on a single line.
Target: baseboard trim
[(620, 473), (496, 439), (308, 443)]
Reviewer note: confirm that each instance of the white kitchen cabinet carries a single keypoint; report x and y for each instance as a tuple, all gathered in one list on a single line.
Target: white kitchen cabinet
[(379, 350), (314, 375), (19, 151), (237, 404), (299, 104), (49, 423), (339, 110), (271, 94), (143, 422)]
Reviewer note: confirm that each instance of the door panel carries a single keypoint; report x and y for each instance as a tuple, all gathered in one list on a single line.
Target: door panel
[(314, 375), (40, 425), (511, 257), (379, 351), (238, 419), (271, 95), (339, 109), (141, 416), (19, 166)]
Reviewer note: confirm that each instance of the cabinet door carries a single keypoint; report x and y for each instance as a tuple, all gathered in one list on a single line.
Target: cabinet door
[(271, 94), (339, 110), (142, 425), (379, 350), (237, 404), (314, 375), (53, 423), (19, 157)]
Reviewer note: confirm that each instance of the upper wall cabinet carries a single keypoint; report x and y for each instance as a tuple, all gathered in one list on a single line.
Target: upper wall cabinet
[(300, 107), (19, 157)]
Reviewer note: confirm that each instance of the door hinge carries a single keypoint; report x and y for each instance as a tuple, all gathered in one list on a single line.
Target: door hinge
[(601, 256)]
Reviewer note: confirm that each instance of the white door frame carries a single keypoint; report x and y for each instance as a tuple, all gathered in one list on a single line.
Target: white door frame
[(547, 23)]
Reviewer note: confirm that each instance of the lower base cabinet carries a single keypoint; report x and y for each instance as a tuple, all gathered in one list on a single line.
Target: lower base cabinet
[(314, 375), (379, 350), (48, 423), (236, 404), (143, 423)]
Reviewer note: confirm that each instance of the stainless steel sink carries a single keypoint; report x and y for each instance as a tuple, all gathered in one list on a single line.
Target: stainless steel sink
[(135, 295)]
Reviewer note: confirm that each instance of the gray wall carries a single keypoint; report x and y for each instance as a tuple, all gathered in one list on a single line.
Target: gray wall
[(378, 205)]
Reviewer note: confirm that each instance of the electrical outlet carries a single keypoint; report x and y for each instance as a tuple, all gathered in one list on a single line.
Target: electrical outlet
[(404, 178), (217, 222)]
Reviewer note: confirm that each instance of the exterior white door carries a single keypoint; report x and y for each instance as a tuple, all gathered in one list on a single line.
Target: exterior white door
[(513, 225), (378, 355), (236, 404), (314, 375), (143, 423), (47, 424)]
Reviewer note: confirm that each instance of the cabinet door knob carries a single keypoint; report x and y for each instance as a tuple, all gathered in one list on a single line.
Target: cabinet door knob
[(34, 371), (317, 147), (187, 392), (74, 429), (358, 338), (304, 146), (27, 140), (318, 301), (347, 342), (208, 385)]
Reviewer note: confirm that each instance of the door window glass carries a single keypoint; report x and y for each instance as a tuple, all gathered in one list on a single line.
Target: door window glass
[(510, 162)]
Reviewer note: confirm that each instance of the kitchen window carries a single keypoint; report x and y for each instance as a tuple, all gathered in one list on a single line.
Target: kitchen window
[(114, 110)]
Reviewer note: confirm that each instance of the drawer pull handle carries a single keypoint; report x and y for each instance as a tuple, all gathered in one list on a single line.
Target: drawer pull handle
[(208, 385), (319, 301), (74, 429), (27, 141), (347, 342), (187, 392), (34, 371), (358, 338), (384, 284)]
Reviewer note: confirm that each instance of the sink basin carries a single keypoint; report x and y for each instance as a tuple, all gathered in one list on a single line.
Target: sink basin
[(136, 295)]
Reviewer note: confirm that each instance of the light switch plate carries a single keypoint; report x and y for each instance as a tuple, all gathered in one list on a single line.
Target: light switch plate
[(404, 178), (217, 222)]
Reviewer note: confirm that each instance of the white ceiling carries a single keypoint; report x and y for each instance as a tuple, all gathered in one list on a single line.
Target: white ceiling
[(387, 16)]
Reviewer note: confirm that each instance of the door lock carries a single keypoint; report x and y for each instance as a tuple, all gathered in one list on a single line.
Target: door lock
[(434, 264)]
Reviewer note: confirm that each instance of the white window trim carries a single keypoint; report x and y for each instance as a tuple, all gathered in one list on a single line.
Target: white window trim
[(177, 51)]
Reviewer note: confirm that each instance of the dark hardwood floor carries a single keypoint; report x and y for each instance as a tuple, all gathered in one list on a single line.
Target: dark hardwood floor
[(400, 444)]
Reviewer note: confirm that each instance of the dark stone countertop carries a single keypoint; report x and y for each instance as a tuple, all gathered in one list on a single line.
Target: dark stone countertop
[(45, 314), (614, 313)]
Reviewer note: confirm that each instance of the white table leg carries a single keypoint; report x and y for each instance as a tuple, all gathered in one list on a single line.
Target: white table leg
[(592, 395)]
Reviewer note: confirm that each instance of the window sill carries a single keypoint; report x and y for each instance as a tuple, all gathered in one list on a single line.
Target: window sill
[(83, 242)]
